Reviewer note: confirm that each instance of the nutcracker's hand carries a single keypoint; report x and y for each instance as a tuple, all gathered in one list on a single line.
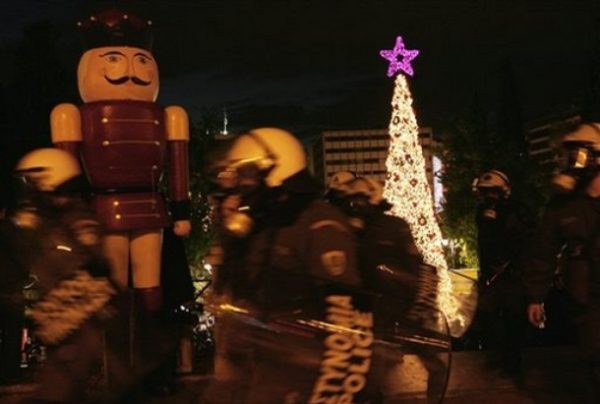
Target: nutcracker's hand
[(182, 228)]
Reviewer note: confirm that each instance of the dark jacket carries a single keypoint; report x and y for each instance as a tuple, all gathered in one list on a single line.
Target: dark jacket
[(387, 240), (503, 232), (288, 257), (65, 255), (13, 266), (569, 228)]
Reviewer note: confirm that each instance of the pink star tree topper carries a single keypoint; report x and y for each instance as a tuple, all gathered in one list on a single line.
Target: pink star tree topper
[(399, 58)]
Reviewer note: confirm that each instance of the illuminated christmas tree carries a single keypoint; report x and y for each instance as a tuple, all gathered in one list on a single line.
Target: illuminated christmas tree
[(406, 187)]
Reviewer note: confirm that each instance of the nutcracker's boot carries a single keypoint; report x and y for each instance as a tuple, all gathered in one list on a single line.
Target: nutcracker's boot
[(117, 353), (155, 337)]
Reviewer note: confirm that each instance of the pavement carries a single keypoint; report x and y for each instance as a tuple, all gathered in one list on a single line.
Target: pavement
[(551, 375)]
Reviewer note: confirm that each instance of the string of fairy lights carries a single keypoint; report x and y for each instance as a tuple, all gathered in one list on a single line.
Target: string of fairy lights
[(406, 187)]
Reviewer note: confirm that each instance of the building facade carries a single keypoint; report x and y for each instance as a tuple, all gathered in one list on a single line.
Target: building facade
[(543, 136), (363, 152)]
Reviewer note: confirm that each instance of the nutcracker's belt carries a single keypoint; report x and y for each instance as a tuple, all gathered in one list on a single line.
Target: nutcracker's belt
[(122, 190), (125, 211)]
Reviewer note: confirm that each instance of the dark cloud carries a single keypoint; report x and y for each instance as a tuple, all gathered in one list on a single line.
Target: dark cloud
[(314, 64)]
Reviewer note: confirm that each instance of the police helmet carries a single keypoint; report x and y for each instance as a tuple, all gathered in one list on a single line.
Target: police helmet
[(340, 179), (367, 187), (47, 169), (492, 179), (274, 152), (582, 147)]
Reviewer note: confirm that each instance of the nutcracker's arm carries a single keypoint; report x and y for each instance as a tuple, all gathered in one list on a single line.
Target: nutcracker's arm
[(178, 136), (65, 127)]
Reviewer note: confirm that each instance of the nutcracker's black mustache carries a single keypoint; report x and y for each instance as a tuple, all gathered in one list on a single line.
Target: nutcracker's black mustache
[(125, 79)]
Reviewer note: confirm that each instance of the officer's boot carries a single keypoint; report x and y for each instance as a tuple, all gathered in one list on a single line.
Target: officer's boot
[(11, 332), (593, 385)]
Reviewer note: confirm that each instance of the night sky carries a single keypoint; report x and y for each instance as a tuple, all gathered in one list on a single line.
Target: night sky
[(314, 65)]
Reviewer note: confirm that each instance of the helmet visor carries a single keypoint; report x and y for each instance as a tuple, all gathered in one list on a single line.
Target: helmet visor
[(31, 178), (233, 177), (493, 193), (575, 157)]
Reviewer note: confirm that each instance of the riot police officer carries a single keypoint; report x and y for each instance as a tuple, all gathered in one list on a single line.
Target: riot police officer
[(285, 250), (65, 257), (337, 187), (503, 227), (391, 266), (383, 238), (13, 272), (570, 229)]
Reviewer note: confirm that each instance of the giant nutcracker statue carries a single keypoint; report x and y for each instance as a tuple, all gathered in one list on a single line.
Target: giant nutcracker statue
[(125, 141)]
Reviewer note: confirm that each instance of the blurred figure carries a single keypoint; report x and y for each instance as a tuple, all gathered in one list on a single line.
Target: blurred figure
[(386, 244), (66, 258), (570, 228), (503, 228), (13, 272), (286, 254), (337, 184), (383, 238)]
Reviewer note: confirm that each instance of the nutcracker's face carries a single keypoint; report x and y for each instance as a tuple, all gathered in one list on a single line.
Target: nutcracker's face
[(117, 73)]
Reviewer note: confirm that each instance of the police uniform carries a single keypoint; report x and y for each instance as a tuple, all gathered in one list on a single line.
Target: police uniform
[(74, 293), (288, 288), (388, 240), (284, 268), (502, 235), (318, 244), (571, 224), (13, 273)]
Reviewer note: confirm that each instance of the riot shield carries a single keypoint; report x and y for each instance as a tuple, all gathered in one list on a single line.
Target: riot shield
[(339, 346), (465, 296)]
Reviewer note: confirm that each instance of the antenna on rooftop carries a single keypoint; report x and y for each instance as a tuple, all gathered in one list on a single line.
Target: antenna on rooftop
[(225, 122)]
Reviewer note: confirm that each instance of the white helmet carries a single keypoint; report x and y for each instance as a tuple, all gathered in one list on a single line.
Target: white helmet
[(48, 168), (366, 186), (493, 179), (271, 150), (587, 134), (339, 179), (580, 156), (582, 147)]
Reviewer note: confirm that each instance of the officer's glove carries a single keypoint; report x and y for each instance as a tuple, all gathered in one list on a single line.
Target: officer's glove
[(536, 315)]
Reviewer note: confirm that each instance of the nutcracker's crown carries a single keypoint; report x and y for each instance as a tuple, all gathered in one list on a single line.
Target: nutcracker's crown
[(116, 28)]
